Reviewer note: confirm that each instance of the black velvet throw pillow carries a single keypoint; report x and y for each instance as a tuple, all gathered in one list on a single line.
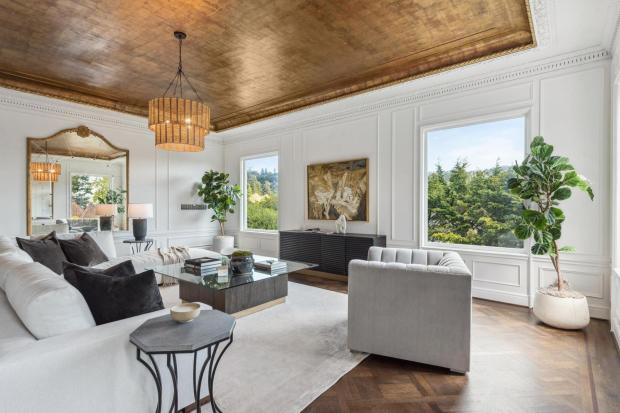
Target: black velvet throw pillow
[(116, 298), (45, 250), (82, 250), (123, 269)]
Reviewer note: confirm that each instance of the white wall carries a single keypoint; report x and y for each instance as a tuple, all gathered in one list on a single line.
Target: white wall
[(164, 179), (566, 100), (615, 192)]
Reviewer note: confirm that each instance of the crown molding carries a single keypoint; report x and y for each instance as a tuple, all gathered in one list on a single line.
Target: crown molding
[(612, 24), (522, 72), (540, 11), (25, 103)]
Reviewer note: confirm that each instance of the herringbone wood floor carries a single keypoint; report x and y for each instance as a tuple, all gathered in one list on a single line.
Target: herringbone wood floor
[(518, 365)]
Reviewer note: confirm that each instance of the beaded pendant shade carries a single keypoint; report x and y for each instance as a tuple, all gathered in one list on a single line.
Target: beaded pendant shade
[(45, 171), (180, 124)]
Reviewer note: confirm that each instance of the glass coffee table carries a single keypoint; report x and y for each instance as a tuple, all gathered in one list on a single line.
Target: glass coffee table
[(238, 295)]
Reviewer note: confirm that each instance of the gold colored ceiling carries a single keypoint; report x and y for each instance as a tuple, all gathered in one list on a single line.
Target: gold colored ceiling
[(248, 59)]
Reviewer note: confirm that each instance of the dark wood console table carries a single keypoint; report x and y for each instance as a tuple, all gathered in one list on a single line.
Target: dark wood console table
[(331, 252)]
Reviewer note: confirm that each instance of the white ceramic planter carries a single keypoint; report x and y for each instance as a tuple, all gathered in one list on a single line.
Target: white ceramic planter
[(567, 313), (222, 242)]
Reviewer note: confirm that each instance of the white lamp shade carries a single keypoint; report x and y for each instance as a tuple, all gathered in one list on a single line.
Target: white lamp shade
[(105, 210), (140, 211)]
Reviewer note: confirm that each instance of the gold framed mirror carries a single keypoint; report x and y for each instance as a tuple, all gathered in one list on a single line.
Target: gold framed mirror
[(77, 181)]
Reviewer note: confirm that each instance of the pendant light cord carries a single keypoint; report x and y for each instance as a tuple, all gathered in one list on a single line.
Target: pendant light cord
[(177, 80)]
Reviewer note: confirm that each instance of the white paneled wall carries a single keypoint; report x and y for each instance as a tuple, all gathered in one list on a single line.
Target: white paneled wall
[(566, 101), (165, 179)]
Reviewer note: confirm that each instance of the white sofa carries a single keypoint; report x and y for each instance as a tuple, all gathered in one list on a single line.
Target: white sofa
[(85, 368), (413, 305)]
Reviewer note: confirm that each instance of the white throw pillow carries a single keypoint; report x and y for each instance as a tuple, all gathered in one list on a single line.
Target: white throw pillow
[(11, 257), (105, 240), (46, 303), (9, 246)]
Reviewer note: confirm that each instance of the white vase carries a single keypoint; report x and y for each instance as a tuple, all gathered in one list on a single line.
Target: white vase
[(223, 242), (562, 312)]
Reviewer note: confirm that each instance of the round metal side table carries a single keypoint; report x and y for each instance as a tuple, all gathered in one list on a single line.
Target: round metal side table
[(138, 246)]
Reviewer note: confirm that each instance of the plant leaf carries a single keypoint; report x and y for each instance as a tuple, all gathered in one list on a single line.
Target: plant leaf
[(562, 193), (539, 249), (523, 231)]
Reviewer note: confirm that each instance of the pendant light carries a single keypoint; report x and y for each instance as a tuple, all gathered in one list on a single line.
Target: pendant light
[(45, 171), (179, 124)]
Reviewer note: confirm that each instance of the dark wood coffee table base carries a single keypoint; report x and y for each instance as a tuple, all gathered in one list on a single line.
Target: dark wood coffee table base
[(240, 300)]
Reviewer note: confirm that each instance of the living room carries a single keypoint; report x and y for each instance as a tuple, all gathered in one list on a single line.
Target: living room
[(369, 147)]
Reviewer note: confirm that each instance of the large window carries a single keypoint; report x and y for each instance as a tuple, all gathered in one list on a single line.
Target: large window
[(467, 169), (260, 175)]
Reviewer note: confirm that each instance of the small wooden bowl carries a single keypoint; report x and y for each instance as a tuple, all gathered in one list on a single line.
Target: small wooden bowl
[(184, 313)]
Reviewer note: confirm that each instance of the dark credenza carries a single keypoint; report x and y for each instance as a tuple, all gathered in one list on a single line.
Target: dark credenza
[(332, 252)]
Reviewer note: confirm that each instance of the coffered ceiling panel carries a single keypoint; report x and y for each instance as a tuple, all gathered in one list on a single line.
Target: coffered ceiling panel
[(248, 59)]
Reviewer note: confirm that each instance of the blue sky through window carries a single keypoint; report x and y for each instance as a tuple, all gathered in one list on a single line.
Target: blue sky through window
[(480, 145), (270, 163)]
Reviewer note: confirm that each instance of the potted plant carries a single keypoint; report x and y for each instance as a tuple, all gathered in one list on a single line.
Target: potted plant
[(220, 197), (541, 182), (241, 262)]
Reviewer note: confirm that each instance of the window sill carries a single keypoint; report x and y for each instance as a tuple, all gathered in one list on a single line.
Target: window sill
[(517, 253), (259, 232)]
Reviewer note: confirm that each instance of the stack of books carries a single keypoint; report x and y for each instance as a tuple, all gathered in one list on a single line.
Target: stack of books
[(273, 266), (202, 266)]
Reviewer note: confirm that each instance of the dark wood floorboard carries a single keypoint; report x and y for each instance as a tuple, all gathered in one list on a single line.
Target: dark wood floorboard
[(518, 366)]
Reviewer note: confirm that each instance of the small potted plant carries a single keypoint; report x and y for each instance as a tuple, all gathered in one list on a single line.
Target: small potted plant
[(220, 197), (242, 262), (541, 182)]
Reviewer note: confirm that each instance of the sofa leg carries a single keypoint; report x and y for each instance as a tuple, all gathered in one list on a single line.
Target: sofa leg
[(460, 372)]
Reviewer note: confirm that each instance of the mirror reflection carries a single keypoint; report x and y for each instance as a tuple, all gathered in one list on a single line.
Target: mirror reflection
[(77, 183)]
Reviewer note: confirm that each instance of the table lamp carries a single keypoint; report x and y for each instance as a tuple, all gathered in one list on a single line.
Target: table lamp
[(139, 214), (106, 216)]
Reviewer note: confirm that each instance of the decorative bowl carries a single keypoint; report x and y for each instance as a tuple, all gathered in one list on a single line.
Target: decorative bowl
[(241, 264), (184, 313)]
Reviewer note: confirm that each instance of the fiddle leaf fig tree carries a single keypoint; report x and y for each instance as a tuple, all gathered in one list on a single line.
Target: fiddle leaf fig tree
[(219, 195), (541, 182)]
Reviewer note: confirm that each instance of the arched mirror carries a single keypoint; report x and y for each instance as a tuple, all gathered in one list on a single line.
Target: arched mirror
[(77, 181)]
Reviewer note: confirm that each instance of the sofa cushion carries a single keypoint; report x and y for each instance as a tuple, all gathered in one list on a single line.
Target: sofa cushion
[(116, 298), (122, 269), (82, 250), (46, 303), (13, 333), (45, 250)]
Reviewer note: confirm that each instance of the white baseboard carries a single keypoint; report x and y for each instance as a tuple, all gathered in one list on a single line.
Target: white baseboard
[(615, 332), (599, 312), (522, 300), (501, 296)]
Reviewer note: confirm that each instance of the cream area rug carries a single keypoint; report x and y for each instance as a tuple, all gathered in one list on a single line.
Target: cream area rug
[(284, 357)]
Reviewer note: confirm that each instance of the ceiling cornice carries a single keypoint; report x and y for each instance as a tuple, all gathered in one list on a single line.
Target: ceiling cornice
[(522, 72), (24, 102)]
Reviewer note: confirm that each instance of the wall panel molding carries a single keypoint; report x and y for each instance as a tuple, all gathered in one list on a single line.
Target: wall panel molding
[(476, 270)]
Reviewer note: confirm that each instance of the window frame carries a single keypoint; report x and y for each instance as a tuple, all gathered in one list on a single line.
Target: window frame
[(243, 224), (524, 113)]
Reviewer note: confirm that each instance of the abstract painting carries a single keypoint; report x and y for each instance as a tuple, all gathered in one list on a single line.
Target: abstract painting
[(338, 188)]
